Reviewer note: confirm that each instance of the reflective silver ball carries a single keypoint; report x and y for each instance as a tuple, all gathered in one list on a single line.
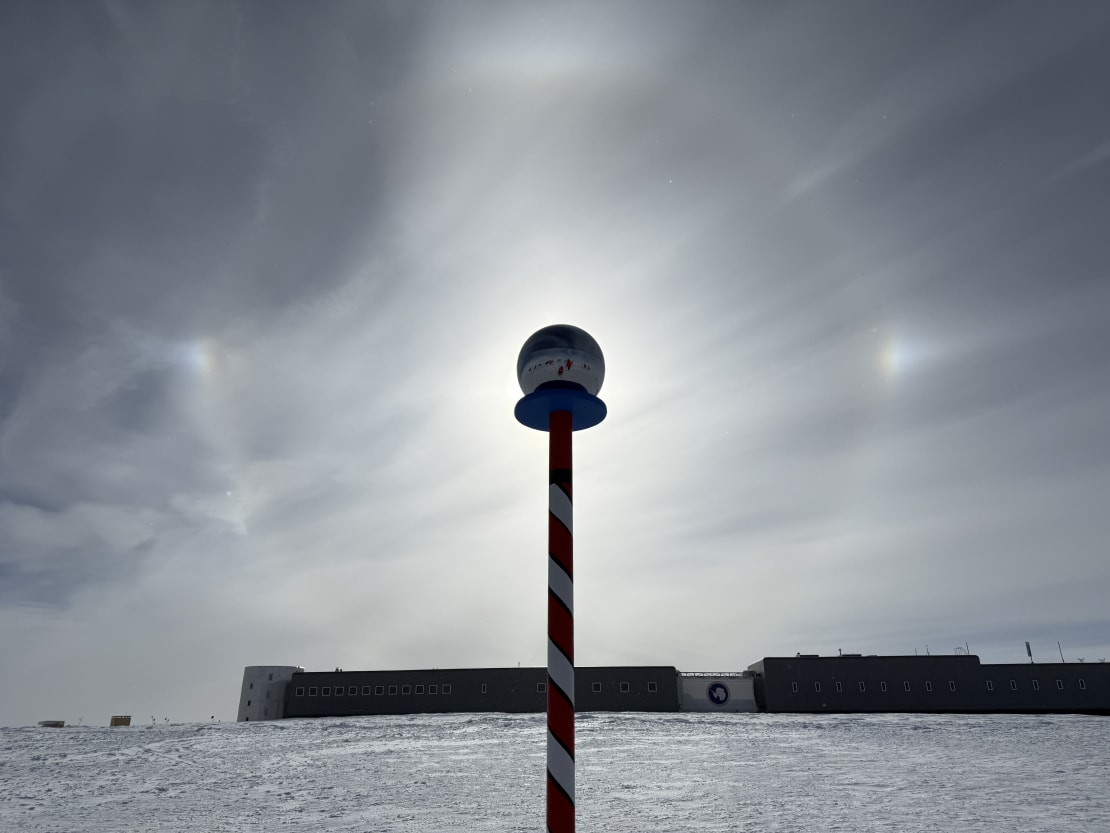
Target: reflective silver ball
[(560, 353)]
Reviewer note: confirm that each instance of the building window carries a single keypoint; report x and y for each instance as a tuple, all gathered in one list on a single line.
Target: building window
[(325, 691), (1060, 684), (446, 688), (352, 690), (839, 687), (1013, 685), (1082, 684), (392, 690), (990, 685), (951, 685), (794, 688), (270, 677), (366, 691), (882, 686), (248, 702), (379, 689), (420, 689), (625, 688), (1036, 685), (596, 688), (928, 685), (251, 686), (654, 687), (300, 691), (339, 691), (541, 687), (312, 691), (862, 685), (817, 687), (906, 685), (485, 688), (433, 689), (406, 689)]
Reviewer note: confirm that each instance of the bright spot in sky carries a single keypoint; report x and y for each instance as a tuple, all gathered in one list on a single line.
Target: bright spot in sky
[(198, 356), (895, 358)]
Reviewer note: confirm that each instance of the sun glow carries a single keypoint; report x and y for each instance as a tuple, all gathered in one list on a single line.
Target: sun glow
[(199, 356), (893, 359), (897, 357)]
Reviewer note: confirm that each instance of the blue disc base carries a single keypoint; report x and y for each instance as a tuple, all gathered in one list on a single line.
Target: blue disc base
[(535, 409)]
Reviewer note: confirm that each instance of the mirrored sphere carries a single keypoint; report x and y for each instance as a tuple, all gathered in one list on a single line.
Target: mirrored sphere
[(560, 353)]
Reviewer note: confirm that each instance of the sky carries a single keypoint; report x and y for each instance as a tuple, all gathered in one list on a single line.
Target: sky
[(266, 267)]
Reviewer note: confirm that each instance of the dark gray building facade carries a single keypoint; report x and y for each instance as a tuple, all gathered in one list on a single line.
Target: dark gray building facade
[(349, 693), (804, 683), (943, 684)]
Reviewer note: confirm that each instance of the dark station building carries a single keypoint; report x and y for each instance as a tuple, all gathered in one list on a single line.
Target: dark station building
[(941, 684), (318, 693), (805, 683), (271, 692)]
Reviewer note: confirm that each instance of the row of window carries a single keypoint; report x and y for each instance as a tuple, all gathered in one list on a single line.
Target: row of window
[(1037, 685), (951, 685), (596, 688), (625, 688), (652, 688), (352, 691)]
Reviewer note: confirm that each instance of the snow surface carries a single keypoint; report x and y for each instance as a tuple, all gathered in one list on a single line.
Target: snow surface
[(635, 772)]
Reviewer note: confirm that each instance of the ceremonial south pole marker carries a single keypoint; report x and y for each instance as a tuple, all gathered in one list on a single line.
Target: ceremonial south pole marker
[(560, 370)]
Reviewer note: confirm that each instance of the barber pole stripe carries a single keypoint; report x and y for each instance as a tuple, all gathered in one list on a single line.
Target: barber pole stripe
[(560, 630)]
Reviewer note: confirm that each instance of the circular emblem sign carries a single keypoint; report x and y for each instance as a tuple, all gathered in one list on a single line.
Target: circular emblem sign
[(717, 694)]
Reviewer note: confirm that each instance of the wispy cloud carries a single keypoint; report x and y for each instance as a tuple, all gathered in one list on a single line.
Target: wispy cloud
[(266, 274)]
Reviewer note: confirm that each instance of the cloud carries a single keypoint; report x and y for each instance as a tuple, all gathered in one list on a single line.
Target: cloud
[(266, 275)]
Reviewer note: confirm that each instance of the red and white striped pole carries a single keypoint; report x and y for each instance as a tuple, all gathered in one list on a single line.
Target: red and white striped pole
[(560, 629), (560, 369)]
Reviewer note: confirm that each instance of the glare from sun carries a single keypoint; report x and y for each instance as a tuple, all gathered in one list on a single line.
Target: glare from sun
[(198, 356), (895, 358)]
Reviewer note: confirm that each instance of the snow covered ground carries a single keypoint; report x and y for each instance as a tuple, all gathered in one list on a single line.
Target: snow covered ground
[(635, 773)]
